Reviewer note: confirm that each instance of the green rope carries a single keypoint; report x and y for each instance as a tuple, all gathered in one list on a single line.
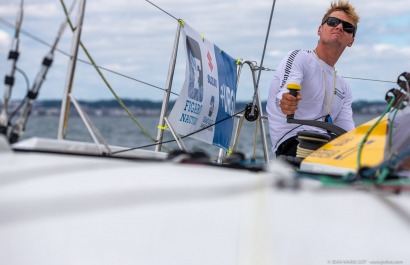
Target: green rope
[(391, 127), (361, 145), (399, 182), (382, 175), (107, 83), (384, 169)]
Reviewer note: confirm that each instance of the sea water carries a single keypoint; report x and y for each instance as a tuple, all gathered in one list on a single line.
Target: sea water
[(122, 131)]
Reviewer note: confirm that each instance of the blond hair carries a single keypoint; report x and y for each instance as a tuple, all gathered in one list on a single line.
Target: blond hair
[(345, 7)]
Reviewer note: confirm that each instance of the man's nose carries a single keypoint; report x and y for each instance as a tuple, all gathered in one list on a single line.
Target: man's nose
[(340, 26)]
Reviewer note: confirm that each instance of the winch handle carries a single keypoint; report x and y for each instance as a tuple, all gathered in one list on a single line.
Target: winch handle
[(293, 88)]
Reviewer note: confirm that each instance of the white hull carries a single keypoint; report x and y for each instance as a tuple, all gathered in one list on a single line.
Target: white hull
[(65, 209)]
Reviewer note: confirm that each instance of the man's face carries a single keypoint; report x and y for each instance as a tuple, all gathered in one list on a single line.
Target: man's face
[(336, 35)]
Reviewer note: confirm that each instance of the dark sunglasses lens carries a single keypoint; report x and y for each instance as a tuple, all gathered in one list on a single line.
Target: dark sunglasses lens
[(349, 28), (333, 22)]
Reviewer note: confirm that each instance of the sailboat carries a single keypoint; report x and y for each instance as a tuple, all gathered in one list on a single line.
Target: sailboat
[(70, 202)]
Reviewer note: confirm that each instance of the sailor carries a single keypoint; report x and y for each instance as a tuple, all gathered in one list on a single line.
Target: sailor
[(324, 96)]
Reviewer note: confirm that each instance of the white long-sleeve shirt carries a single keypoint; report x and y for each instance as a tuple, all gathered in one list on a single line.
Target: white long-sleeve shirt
[(305, 68)]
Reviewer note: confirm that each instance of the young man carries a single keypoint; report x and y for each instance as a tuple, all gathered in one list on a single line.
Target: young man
[(324, 95)]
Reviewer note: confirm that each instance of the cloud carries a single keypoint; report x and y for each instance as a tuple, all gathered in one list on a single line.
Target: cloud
[(4, 39), (136, 38), (276, 53), (43, 11), (392, 49)]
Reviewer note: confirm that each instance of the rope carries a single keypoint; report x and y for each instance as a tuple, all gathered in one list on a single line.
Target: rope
[(381, 171), (361, 145), (183, 137)]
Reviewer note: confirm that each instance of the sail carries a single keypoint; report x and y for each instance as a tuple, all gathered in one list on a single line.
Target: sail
[(208, 94)]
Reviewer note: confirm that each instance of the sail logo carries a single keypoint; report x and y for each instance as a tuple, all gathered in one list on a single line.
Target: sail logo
[(210, 61), (227, 96), (211, 80), (196, 83), (206, 103)]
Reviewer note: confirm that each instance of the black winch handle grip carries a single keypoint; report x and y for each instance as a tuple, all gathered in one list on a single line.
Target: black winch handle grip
[(294, 88)]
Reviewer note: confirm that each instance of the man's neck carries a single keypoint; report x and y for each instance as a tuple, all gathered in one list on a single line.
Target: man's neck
[(329, 55)]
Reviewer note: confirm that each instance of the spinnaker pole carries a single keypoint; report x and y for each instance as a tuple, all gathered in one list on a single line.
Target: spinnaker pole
[(168, 86), (65, 104)]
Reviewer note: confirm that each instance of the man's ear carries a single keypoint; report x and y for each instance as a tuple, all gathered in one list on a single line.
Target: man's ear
[(351, 43)]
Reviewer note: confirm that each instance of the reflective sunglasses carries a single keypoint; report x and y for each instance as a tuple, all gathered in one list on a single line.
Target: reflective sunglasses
[(334, 21)]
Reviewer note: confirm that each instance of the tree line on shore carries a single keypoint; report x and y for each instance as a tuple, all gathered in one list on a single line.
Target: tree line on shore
[(149, 107), (357, 106)]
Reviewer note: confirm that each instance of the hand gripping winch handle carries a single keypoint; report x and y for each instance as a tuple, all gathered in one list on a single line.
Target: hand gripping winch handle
[(293, 90)]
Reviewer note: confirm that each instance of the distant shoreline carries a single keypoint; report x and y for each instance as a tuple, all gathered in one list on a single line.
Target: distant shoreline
[(112, 108)]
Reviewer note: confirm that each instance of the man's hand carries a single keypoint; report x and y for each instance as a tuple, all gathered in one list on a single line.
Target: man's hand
[(289, 103)]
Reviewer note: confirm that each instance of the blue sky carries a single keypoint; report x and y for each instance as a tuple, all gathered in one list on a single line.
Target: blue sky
[(136, 39)]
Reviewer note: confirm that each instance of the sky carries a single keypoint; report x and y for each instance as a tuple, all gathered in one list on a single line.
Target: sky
[(136, 39)]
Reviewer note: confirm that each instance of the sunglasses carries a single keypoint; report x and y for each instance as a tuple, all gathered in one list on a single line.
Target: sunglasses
[(334, 21)]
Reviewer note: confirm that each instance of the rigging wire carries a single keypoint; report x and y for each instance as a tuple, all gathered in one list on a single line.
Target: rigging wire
[(106, 69), (161, 9), (385, 184), (105, 80), (369, 79), (264, 46), (39, 40), (182, 137), (13, 56), (31, 95)]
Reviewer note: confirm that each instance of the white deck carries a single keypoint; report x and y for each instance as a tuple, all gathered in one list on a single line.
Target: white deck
[(63, 209)]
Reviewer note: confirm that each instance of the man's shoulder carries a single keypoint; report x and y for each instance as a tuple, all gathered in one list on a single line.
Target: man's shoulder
[(300, 54), (299, 57), (342, 80), (300, 51)]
